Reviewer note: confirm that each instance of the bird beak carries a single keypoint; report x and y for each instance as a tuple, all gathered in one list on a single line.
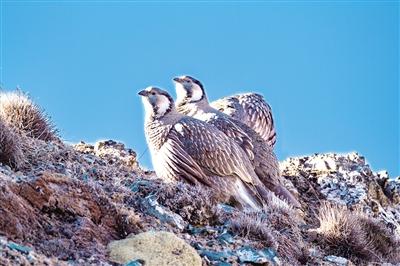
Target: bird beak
[(143, 93), (179, 80)]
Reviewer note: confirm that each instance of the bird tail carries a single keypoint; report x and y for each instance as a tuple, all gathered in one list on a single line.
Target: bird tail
[(283, 192), (247, 196), (267, 170)]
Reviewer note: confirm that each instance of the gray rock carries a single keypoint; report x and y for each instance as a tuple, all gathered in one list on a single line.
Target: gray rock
[(153, 208), (340, 261)]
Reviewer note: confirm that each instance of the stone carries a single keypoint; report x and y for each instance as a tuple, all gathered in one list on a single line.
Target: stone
[(154, 248), (340, 261), (153, 208), (19, 248), (251, 255), (135, 263)]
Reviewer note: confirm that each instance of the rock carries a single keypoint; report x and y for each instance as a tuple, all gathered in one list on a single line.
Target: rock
[(216, 256), (62, 217), (226, 238), (250, 255), (19, 248), (338, 260), (352, 184), (154, 248), (322, 163), (12, 253), (74, 200), (135, 263), (153, 208), (112, 150), (109, 150)]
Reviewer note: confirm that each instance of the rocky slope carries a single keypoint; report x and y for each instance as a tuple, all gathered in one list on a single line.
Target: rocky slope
[(88, 204), (71, 202)]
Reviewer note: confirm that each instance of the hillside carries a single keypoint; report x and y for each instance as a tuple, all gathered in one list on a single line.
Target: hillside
[(87, 204)]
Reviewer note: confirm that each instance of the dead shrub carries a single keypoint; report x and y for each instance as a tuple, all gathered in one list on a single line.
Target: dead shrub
[(20, 112), (276, 226), (10, 147), (355, 236)]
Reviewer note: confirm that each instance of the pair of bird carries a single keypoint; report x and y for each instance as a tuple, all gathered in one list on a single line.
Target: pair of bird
[(226, 145)]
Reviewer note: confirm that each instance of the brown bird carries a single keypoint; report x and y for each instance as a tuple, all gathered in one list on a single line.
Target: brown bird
[(251, 109), (192, 101), (184, 148)]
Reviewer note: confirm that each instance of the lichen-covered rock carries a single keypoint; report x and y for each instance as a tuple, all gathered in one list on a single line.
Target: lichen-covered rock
[(346, 180), (154, 248), (111, 151)]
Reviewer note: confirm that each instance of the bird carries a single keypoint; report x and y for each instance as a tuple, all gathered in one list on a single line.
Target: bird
[(251, 109), (192, 101), (186, 149)]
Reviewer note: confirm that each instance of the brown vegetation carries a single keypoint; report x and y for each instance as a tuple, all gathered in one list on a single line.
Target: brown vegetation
[(10, 147), (20, 112), (355, 236), (63, 217), (276, 226)]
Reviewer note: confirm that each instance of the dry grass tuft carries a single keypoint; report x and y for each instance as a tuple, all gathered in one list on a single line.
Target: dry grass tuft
[(10, 147), (356, 236), (19, 111), (276, 226), (254, 225)]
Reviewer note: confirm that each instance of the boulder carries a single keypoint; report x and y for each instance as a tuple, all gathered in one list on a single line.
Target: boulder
[(154, 248)]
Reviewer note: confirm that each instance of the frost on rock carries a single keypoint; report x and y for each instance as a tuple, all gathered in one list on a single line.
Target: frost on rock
[(346, 179), (109, 150)]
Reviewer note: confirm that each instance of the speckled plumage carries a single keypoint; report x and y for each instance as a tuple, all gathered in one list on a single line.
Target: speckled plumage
[(184, 148), (264, 160), (251, 109)]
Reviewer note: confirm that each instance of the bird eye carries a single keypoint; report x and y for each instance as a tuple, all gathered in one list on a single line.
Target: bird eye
[(153, 93)]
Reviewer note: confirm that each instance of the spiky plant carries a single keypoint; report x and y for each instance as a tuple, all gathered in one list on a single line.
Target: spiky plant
[(10, 147), (276, 226), (356, 236), (20, 112)]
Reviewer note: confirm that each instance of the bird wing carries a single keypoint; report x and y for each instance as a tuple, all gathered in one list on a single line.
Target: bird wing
[(208, 148), (230, 129), (259, 115), (177, 163)]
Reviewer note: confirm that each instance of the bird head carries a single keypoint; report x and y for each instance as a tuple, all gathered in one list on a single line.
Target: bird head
[(188, 89), (156, 101)]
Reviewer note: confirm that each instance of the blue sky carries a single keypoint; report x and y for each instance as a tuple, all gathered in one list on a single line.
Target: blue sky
[(330, 70)]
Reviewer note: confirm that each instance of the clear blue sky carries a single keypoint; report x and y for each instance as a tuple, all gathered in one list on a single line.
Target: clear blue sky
[(330, 70)]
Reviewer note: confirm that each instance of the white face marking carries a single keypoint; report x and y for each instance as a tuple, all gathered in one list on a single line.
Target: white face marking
[(180, 92), (157, 100), (162, 104), (197, 93), (148, 108)]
